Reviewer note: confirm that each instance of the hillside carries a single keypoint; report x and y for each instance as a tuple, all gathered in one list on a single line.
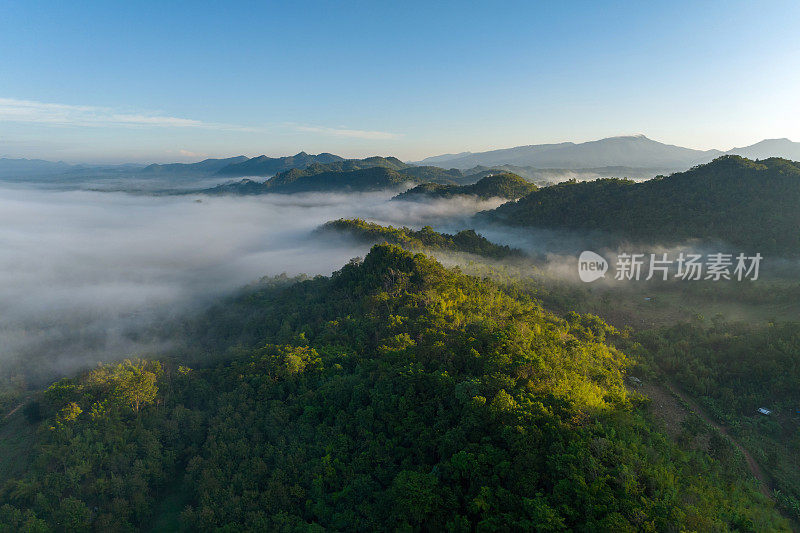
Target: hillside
[(505, 185), (361, 180), (207, 166), (466, 241), (369, 174), (394, 395), (433, 174), (351, 164), (769, 148), (749, 204), (547, 176), (268, 166), (416, 173), (733, 369)]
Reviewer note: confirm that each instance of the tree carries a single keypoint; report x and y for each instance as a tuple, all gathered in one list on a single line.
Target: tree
[(135, 384)]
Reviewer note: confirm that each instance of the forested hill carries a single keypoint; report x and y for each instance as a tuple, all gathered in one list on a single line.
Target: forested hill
[(503, 185), (369, 174), (412, 173), (365, 179), (749, 204), (207, 166), (267, 166), (465, 241), (351, 164), (394, 395), (306, 164)]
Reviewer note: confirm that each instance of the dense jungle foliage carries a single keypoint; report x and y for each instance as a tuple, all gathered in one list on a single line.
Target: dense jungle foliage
[(267, 166), (466, 241), (361, 180), (394, 395), (505, 185), (749, 204), (735, 369), (369, 174)]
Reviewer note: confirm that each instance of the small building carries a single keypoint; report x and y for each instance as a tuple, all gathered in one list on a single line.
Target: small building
[(635, 380), (764, 411)]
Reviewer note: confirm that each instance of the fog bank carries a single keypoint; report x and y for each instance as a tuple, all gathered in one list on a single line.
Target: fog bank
[(83, 274)]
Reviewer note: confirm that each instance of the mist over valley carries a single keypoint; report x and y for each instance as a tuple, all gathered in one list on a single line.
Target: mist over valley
[(305, 267)]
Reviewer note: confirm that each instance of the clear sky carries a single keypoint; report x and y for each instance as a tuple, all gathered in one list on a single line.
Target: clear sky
[(175, 81)]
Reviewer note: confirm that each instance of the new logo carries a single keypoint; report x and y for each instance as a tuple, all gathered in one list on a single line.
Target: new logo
[(591, 266)]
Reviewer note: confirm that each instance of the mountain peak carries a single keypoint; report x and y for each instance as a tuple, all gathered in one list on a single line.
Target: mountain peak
[(767, 148), (782, 140), (631, 136), (634, 150)]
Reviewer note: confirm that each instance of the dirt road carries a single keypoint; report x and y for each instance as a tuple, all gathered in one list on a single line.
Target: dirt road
[(755, 468)]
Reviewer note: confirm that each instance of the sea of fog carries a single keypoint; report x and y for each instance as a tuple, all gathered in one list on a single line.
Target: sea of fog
[(81, 270), (85, 275)]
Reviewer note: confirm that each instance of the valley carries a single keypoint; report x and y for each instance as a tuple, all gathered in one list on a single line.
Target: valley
[(498, 344)]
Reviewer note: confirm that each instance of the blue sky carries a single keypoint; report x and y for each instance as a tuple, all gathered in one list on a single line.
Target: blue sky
[(172, 81)]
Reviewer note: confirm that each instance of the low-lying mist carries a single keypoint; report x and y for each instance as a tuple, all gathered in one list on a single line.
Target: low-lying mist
[(86, 275), (83, 273)]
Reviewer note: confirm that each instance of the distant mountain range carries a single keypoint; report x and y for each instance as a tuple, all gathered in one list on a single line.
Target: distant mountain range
[(633, 156), (208, 166), (239, 166), (635, 151), (769, 148), (14, 168)]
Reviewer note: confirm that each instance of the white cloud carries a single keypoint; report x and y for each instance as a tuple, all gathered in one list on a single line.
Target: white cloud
[(345, 132), (29, 111), (188, 153), (85, 275)]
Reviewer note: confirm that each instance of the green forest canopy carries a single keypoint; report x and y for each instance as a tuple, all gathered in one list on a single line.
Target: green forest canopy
[(735, 369), (749, 204), (466, 241), (369, 174), (396, 394), (503, 185)]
